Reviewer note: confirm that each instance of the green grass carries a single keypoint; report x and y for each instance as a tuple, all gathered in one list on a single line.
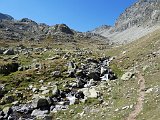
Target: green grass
[(116, 70)]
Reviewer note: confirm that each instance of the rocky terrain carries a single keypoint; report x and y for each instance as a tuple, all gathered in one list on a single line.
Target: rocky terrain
[(36, 82), (56, 73), (26, 29), (138, 20)]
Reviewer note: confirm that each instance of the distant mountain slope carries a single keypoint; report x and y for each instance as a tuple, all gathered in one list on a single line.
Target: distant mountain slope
[(100, 29), (138, 20), (27, 29), (5, 16)]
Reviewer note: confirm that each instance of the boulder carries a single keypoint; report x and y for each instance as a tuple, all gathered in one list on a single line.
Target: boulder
[(105, 77), (79, 95), (43, 104), (90, 92), (94, 75), (43, 88), (103, 70), (7, 111), (55, 91), (56, 74), (23, 108), (38, 113), (72, 99), (1, 51), (9, 52), (81, 82), (8, 68), (71, 69), (45, 92), (127, 76), (8, 99)]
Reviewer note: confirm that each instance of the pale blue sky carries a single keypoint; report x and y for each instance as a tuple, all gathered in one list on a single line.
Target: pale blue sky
[(81, 15)]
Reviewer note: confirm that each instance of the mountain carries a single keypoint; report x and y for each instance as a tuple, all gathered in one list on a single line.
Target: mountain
[(27, 29), (5, 16), (136, 21), (99, 30)]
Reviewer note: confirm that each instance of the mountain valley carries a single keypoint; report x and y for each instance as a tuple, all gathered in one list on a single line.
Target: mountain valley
[(57, 73)]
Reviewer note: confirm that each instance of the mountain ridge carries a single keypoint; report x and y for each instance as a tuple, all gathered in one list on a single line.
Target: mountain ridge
[(136, 21), (27, 29)]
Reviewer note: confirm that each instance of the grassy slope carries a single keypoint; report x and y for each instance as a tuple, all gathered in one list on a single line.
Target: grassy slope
[(140, 54)]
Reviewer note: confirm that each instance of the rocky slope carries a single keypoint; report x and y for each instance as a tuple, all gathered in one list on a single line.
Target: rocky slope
[(138, 20), (26, 29)]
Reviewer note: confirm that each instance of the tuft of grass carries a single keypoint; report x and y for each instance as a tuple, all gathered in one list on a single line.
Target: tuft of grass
[(116, 70)]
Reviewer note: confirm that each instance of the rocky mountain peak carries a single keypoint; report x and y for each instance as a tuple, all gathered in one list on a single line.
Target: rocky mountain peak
[(136, 21), (62, 28), (5, 16), (27, 29), (27, 20), (100, 29), (142, 13)]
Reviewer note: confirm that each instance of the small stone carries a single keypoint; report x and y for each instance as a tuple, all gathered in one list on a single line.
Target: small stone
[(43, 88), (45, 92), (56, 74)]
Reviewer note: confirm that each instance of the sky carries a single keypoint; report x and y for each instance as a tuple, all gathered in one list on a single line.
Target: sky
[(81, 15)]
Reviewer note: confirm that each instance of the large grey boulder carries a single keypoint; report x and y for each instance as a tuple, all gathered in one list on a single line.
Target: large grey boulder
[(90, 92), (127, 76), (37, 112), (43, 104)]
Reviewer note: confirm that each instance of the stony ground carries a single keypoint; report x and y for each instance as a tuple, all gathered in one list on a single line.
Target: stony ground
[(75, 81)]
